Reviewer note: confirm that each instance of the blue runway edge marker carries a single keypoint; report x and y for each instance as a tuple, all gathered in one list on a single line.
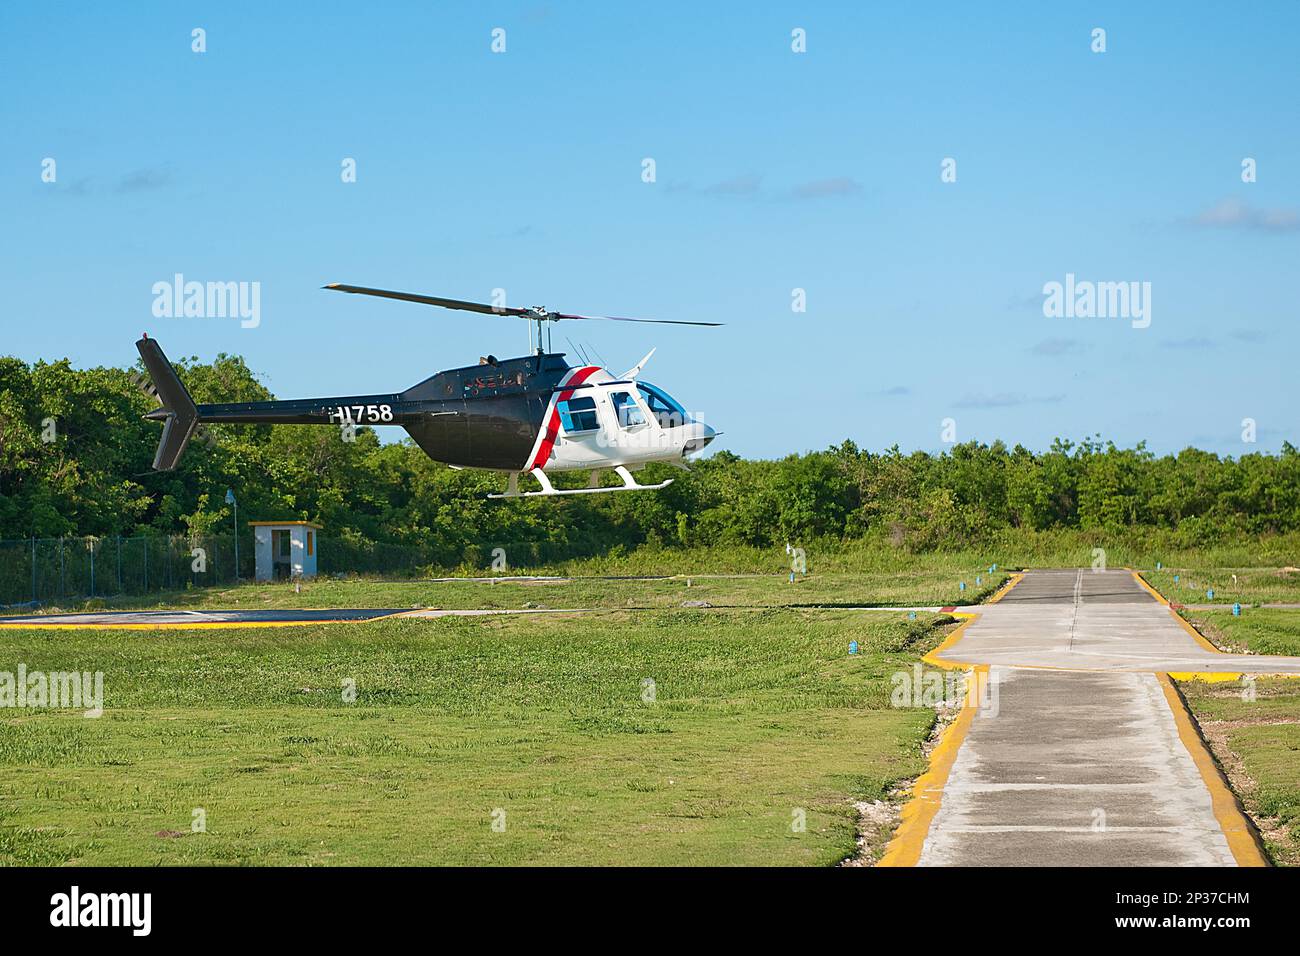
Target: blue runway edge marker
[(1236, 610), (853, 647)]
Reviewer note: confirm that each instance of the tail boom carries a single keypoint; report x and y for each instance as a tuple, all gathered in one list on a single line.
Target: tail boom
[(181, 417)]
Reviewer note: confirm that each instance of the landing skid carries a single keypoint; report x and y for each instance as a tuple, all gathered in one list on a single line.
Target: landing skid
[(593, 487)]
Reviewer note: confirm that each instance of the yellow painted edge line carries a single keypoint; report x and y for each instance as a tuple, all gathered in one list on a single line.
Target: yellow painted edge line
[(1182, 621), (1002, 591), (927, 792), (1218, 677), (1236, 827), (182, 626), (1214, 677), (197, 625), (950, 640)]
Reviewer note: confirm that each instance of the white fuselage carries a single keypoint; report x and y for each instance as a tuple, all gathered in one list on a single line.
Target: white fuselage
[(603, 422)]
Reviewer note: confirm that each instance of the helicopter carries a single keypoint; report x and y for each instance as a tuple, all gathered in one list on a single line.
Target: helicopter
[(529, 415)]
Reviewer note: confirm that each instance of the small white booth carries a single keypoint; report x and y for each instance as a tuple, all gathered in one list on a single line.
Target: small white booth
[(284, 549)]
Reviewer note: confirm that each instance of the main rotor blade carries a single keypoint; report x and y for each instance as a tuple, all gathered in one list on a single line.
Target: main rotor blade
[(619, 318), (498, 310), (428, 300)]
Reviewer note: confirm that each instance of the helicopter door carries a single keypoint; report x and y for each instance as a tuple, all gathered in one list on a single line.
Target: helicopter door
[(627, 411)]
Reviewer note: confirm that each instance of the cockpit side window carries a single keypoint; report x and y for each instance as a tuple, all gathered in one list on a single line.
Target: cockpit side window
[(626, 409), (578, 414), (662, 406)]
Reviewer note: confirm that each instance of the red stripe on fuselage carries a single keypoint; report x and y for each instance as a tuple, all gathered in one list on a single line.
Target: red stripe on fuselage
[(552, 427)]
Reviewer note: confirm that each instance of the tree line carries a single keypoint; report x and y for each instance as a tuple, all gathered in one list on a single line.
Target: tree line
[(75, 459)]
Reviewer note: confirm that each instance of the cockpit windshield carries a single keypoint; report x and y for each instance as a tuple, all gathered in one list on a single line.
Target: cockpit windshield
[(662, 406)]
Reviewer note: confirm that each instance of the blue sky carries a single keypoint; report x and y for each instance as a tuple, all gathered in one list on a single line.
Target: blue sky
[(774, 170)]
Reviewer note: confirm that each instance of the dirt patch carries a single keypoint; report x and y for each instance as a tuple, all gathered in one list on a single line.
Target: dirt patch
[(878, 819), (1216, 637), (1228, 725)]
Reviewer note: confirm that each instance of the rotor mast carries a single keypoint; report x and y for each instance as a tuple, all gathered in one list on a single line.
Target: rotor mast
[(539, 315)]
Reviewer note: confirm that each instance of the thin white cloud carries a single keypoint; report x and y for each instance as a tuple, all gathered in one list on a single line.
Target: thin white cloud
[(141, 180), (750, 185), (1006, 400), (838, 186), (1059, 346), (747, 185), (1189, 344), (1235, 214)]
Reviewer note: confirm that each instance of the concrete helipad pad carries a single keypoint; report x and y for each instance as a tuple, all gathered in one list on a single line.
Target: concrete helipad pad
[(178, 620), (193, 619)]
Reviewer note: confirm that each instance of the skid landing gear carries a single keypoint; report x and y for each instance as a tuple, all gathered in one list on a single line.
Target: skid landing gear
[(593, 485)]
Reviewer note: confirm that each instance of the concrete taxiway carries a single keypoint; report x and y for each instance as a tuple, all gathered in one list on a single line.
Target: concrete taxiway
[(1078, 749), (1094, 620)]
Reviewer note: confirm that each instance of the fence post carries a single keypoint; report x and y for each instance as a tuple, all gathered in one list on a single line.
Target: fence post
[(33, 569), (145, 541), (91, 544), (119, 564), (62, 583)]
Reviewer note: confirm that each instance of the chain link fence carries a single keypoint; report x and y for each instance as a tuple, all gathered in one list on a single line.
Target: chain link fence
[(50, 570), (38, 571)]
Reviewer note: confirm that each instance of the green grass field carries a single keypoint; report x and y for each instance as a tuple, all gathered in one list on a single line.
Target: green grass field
[(758, 716), (837, 589), (1256, 631), (1257, 742), (1011, 548), (1252, 585), (1254, 731)]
